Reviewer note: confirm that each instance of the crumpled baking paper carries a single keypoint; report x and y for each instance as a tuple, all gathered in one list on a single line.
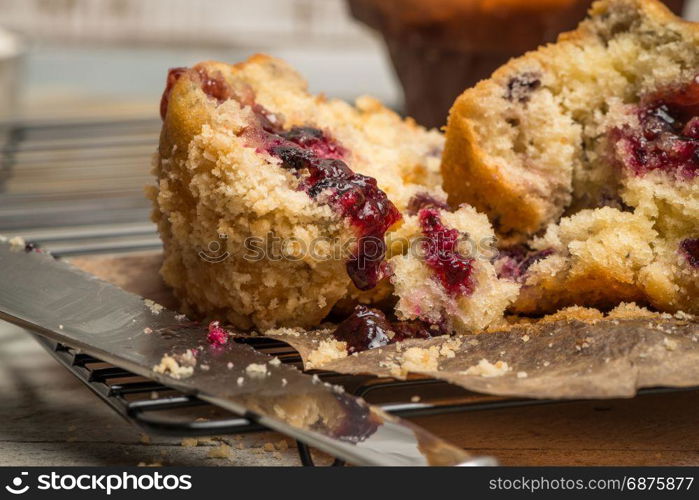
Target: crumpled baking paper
[(565, 359)]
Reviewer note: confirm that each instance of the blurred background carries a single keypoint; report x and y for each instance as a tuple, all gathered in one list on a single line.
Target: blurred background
[(110, 57), (80, 82)]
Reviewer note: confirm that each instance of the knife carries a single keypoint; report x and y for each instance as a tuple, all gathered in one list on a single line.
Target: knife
[(70, 306)]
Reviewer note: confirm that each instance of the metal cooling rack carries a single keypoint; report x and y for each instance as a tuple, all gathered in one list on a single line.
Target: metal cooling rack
[(160, 410), (76, 188)]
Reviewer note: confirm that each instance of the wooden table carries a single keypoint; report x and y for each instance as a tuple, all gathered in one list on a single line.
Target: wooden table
[(49, 418)]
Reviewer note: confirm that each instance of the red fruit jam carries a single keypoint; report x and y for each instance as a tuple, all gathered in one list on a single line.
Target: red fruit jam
[(316, 159), (668, 138), (217, 335), (314, 140), (512, 263), (173, 75), (215, 86), (453, 270), (425, 200), (368, 328), (690, 249)]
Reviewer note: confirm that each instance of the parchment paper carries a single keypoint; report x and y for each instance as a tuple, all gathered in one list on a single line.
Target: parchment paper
[(567, 359)]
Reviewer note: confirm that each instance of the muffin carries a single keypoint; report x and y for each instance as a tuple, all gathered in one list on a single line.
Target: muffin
[(272, 203), (604, 117)]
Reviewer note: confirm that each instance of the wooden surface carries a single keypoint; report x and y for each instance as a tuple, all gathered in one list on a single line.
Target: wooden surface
[(647, 430), (49, 418)]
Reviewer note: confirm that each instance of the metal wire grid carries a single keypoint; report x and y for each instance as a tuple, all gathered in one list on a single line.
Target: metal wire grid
[(160, 410)]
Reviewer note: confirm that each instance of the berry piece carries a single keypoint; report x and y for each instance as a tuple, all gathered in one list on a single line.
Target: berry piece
[(513, 262), (368, 328), (425, 200), (668, 138), (453, 270), (690, 249), (217, 336)]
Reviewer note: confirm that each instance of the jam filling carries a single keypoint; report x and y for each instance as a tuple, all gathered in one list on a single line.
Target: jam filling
[(314, 140), (214, 86), (513, 262), (668, 138), (30, 246), (453, 270), (690, 249), (173, 75), (216, 336), (368, 328), (354, 196), (425, 200), (317, 160), (357, 421)]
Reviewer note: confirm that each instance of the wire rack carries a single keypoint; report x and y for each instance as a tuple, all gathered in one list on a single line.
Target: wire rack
[(77, 189), (159, 410)]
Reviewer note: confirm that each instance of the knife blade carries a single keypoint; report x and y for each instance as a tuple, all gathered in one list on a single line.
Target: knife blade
[(70, 306)]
